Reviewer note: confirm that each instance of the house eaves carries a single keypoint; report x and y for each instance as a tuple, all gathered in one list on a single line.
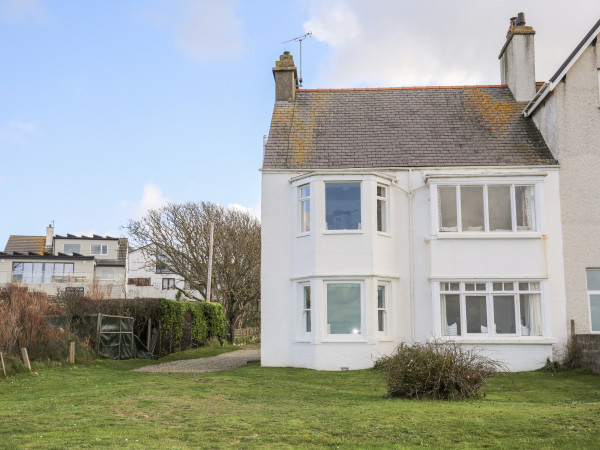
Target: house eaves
[(562, 70)]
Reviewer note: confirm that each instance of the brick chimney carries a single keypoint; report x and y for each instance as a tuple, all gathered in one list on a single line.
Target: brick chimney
[(517, 60), (286, 78)]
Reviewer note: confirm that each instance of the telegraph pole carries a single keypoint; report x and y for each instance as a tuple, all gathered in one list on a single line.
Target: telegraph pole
[(210, 258)]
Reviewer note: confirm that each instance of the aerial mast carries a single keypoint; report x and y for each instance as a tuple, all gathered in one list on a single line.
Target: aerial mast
[(300, 39)]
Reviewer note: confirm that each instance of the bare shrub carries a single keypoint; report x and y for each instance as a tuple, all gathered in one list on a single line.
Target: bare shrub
[(437, 370)]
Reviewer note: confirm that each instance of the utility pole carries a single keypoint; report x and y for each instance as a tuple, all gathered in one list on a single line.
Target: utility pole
[(210, 258)]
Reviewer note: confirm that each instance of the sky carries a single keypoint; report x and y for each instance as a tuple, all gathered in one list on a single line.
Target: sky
[(109, 109)]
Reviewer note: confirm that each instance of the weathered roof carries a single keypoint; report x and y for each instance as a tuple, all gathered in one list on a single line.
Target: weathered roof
[(34, 244), (403, 127)]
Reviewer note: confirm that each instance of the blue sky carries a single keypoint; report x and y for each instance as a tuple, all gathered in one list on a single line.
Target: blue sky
[(110, 108)]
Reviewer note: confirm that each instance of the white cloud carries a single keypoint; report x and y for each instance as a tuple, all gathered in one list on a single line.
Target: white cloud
[(152, 198), (15, 130), (437, 42), (23, 11), (204, 30), (252, 210)]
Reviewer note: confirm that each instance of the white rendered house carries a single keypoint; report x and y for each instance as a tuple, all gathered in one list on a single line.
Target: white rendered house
[(408, 214)]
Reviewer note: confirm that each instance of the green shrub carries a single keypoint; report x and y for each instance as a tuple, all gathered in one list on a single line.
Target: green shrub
[(437, 370)]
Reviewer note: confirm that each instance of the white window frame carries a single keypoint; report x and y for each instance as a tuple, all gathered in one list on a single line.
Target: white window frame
[(385, 201), (385, 309), (302, 200), (358, 337), (589, 294), (534, 180), (101, 269), (489, 293), (103, 249), (304, 288), (362, 215)]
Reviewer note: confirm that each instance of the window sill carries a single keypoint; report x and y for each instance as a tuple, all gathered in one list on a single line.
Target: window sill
[(299, 235), (343, 231), (515, 340), (384, 234), (344, 341), (302, 341), (487, 235), (386, 339)]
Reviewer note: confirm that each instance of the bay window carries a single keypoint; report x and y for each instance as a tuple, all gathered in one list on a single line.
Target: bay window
[(342, 205), (486, 208), (344, 308), (382, 209), (491, 308)]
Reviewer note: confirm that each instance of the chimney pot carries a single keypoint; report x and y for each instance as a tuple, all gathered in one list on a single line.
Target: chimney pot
[(521, 19)]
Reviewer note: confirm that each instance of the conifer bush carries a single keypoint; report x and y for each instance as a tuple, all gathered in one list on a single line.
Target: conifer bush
[(436, 370)]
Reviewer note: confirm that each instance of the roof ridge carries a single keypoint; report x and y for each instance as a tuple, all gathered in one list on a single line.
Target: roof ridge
[(472, 86)]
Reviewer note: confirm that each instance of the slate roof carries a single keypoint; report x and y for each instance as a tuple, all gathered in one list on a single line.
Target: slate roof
[(33, 244), (403, 127)]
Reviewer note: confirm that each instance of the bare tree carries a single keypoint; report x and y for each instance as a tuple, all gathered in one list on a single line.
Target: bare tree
[(176, 238)]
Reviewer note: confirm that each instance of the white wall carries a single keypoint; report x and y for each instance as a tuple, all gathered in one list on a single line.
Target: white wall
[(369, 257)]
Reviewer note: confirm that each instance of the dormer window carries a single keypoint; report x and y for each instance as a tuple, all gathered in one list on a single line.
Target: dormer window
[(69, 249)]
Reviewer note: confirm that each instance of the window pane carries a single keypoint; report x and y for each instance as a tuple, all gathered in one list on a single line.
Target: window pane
[(68, 269), (305, 191), (305, 208), (499, 208), (593, 279), (504, 314), (343, 308), (480, 286), (72, 248), (381, 320), (381, 216), (306, 297), (48, 272), (381, 296), (447, 208), (531, 315), (471, 208), (342, 206), (17, 272), (476, 314), (595, 312), (451, 325), (38, 271), (497, 286), (469, 286), (381, 191), (525, 206), (307, 323)]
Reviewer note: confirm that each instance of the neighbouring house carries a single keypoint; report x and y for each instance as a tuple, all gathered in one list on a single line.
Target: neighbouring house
[(90, 265), (410, 214), (566, 110), (148, 278)]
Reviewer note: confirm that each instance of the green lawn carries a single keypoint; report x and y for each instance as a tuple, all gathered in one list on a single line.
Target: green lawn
[(104, 404)]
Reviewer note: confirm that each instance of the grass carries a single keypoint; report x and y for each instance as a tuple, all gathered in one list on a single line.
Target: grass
[(104, 404)]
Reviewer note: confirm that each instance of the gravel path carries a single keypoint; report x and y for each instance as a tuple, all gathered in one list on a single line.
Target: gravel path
[(225, 361)]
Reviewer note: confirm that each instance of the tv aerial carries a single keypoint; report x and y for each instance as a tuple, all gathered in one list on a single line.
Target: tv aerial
[(300, 39)]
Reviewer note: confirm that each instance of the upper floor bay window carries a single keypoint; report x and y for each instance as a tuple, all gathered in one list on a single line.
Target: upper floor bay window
[(593, 287), (382, 205), (486, 208), (304, 208), (343, 205), (500, 308), (99, 249)]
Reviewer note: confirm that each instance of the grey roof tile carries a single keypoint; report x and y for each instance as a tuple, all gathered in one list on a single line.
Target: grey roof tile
[(416, 127)]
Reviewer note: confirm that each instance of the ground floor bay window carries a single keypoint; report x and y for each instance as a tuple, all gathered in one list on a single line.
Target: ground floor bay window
[(491, 308)]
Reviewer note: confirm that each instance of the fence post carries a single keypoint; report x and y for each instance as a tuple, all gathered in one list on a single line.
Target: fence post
[(25, 357), (71, 352)]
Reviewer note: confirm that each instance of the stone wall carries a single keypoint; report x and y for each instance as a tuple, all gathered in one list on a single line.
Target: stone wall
[(589, 345)]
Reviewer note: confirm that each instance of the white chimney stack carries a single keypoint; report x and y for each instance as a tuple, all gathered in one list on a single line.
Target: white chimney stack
[(517, 60), (49, 236)]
